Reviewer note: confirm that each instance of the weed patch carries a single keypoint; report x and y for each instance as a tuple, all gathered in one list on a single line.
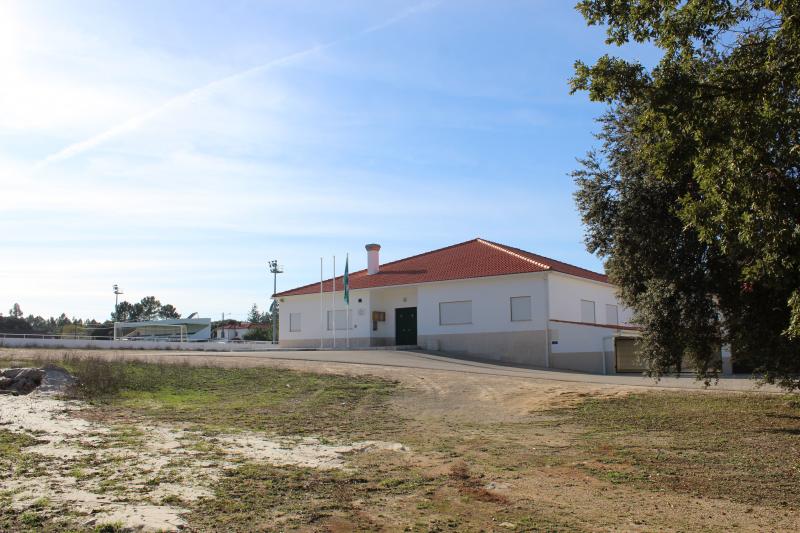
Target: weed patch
[(14, 461), (216, 399), (744, 447)]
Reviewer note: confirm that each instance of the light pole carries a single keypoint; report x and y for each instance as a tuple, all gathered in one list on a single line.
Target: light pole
[(275, 269), (117, 292)]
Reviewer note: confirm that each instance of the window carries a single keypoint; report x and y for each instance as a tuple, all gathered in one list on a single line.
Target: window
[(612, 314), (452, 313), (294, 321), (520, 308), (341, 320), (587, 311)]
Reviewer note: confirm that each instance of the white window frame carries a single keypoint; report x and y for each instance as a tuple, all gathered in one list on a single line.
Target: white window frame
[(443, 323), (609, 307), (529, 308), (341, 325), (295, 322), (594, 312)]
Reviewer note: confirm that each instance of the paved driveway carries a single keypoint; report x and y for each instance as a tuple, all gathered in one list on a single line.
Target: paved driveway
[(425, 361), (388, 359)]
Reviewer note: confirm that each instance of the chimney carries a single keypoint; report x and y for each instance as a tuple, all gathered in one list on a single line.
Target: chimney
[(373, 262)]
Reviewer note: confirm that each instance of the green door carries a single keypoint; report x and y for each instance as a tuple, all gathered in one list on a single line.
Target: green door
[(405, 326)]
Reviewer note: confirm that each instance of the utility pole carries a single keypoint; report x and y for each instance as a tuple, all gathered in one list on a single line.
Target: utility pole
[(275, 269), (222, 326)]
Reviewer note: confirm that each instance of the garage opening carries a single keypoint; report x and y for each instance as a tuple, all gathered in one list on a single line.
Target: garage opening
[(626, 350)]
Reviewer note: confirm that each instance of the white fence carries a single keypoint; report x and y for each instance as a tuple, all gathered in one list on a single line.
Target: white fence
[(8, 340)]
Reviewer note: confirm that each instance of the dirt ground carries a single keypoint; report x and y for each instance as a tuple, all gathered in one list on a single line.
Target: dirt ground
[(444, 393), (483, 416)]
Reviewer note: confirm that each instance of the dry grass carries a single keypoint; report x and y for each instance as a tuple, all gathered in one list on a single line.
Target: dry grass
[(601, 466), (471, 486), (745, 447)]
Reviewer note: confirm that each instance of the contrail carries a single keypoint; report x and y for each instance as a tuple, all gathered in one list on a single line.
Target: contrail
[(200, 92)]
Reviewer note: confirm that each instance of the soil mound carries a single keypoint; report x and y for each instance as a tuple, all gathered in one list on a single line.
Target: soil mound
[(48, 380)]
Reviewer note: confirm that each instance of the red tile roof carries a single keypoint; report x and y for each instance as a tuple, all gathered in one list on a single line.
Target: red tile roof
[(245, 325), (477, 258)]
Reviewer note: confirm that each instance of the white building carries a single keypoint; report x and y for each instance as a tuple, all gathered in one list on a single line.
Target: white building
[(189, 329), (477, 298), (233, 332)]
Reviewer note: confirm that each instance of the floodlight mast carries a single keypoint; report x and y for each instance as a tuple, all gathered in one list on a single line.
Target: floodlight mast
[(275, 269), (117, 292)]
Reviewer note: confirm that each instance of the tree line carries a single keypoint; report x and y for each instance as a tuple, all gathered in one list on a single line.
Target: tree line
[(17, 322), (148, 308)]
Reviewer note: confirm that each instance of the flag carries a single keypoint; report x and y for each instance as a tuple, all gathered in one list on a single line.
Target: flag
[(347, 281)]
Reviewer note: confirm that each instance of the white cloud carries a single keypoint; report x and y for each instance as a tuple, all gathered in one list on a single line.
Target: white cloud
[(179, 174)]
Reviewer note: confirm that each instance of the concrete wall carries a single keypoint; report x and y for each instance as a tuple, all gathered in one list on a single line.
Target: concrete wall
[(566, 293), (313, 324), (491, 334), (89, 344), (361, 334), (582, 347), (491, 304), (232, 333), (485, 336), (313, 344), (387, 300), (521, 347)]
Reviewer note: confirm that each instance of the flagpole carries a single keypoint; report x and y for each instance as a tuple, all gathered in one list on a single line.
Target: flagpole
[(321, 308), (333, 300), (347, 320)]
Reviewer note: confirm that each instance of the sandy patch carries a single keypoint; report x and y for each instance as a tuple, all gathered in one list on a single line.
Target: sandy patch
[(97, 470), (37, 413), (305, 452)]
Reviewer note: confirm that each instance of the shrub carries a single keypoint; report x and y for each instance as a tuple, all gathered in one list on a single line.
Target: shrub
[(96, 376), (259, 334)]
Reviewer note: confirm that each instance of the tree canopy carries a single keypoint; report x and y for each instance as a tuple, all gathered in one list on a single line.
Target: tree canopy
[(255, 316), (693, 199), (148, 308), (18, 323)]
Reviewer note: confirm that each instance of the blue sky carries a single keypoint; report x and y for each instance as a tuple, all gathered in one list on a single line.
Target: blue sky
[(175, 147)]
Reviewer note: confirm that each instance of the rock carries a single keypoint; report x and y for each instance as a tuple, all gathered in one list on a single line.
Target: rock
[(56, 380), (24, 373), (497, 485), (21, 380)]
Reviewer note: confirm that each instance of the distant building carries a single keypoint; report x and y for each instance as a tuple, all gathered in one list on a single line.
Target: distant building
[(476, 298), (178, 329), (232, 332)]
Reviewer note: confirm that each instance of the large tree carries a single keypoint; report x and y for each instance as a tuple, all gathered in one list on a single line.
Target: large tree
[(257, 317), (15, 311), (168, 311), (694, 196), (148, 308)]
